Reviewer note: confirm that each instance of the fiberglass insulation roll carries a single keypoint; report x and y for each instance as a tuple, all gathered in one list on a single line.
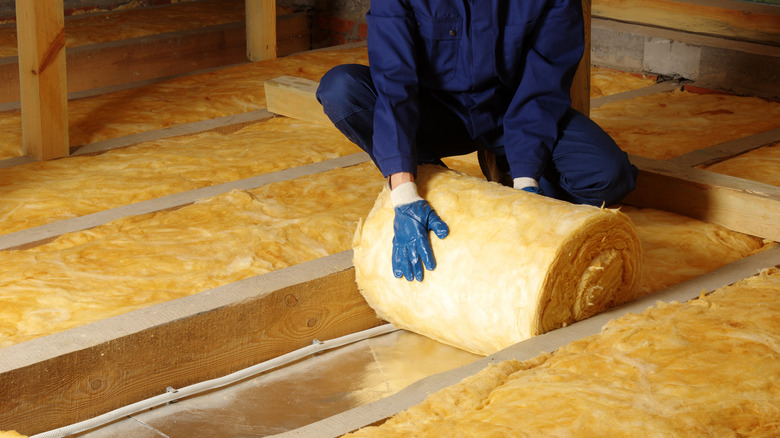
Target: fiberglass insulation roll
[(514, 265)]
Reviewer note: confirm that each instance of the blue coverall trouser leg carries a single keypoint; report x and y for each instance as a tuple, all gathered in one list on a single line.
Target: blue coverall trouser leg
[(587, 167)]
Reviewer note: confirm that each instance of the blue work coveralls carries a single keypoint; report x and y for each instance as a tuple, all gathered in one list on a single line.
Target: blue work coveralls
[(449, 76)]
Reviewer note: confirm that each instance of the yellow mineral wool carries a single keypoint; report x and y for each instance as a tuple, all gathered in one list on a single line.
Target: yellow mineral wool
[(708, 367), (762, 165), (676, 248), (548, 263), (47, 191), (204, 96), (143, 260), (605, 81), (666, 125)]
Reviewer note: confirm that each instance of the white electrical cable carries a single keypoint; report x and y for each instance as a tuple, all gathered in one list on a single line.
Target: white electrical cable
[(172, 394)]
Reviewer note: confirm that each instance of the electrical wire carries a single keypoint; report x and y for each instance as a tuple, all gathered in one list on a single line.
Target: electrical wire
[(172, 394)]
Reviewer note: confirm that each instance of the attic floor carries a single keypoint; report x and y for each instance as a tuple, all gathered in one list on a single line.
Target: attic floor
[(298, 394)]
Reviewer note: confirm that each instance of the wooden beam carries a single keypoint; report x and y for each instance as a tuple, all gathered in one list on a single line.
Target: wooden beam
[(735, 203), (224, 124), (44, 97), (661, 87), (377, 412), (296, 98), (261, 29), (728, 149), (580, 89), (75, 375), (746, 21)]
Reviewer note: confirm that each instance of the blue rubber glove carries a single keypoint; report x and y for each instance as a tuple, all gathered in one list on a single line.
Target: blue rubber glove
[(536, 190), (411, 246)]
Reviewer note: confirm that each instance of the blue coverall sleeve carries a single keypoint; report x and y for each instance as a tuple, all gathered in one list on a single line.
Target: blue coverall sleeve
[(542, 99), (392, 59)]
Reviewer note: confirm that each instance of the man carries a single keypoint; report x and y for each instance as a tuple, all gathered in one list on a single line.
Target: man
[(448, 77)]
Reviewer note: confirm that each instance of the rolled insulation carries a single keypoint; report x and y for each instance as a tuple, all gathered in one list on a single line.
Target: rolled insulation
[(514, 265)]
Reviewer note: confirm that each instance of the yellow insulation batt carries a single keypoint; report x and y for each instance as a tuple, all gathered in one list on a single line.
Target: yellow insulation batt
[(204, 96), (514, 265), (762, 165), (666, 125), (47, 191), (147, 259), (708, 367), (606, 81), (677, 248)]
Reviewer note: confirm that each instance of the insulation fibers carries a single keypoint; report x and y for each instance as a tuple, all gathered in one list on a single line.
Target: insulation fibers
[(760, 165), (514, 265), (708, 367)]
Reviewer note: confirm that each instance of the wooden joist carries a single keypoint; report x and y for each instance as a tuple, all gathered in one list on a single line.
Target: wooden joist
[(738, 204), (78, 374), (727, 149), (44, 96), (739, 20)]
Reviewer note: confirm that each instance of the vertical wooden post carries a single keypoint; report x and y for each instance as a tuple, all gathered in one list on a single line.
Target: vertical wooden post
[(260, 29), (580, 89), (44, 91)]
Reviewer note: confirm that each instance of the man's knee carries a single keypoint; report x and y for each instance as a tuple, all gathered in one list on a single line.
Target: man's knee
[(609, 184), (343, 85)]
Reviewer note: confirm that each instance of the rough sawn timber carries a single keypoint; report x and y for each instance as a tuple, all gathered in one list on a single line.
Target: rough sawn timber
[(75, 375)]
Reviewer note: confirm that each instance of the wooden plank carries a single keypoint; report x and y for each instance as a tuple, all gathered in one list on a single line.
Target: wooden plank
[(296, 98), (16, 161), (78, 374), (43, 233), (221, 123), (661, 87), (41, 36), (729, 19), (378, 411), (728, 149), (149, 57), (737, 204), (580, 89), (261, 29)]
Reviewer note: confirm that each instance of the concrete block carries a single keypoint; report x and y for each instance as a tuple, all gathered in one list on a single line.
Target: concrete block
[(671, 58)]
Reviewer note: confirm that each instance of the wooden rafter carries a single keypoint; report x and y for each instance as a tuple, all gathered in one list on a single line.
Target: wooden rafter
[(261, 29), (44, 96)]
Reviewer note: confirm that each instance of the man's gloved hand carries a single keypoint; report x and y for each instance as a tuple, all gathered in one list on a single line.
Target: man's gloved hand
[(411, 245), (529, 185)]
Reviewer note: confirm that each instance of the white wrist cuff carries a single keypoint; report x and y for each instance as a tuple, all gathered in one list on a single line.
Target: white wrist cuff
[(524, 181), (405, 193)]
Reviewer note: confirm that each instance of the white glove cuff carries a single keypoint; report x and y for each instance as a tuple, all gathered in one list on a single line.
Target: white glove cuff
[(524, 181), (405, 193)]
